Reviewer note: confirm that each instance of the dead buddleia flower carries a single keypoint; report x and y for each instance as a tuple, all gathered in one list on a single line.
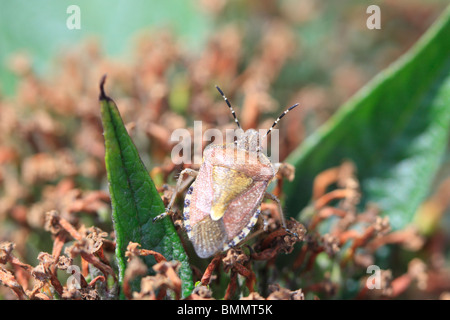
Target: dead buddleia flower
[(296, 228), (413, 240), (45, 167), (89, 202), (344, 176), (45, 271), (382, 226), (87, 293), (166, 278), (380, 286), (83, 248), (72, 294), (234, 256), (253, 296), (133, 249), (6, 249), (280, 293), (330, 244), (6, 256), (55, 224), (42, 278), (277, 46), (169, 269), (18, 281), (47, 260), (347, 180), (297, 232), (149, 286), (208, 274), (52, 222), (201, 293), (282, 240), (386, 283), (409, 237), (323, 180), (135, 268), (7, 279), (39, 273), (88, 244), (64, 262), (269, 213), (417, 270), (297, 295), (236, 262), (97, 236), (286, 171)]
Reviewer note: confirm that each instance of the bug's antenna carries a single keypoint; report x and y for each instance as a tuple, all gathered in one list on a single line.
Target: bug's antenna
[(229, 106), (276, 121)]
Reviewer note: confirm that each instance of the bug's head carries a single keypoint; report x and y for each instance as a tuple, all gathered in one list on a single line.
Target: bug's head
[(251, 140)]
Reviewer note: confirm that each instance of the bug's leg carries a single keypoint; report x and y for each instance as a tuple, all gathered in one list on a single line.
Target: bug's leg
[(272, 197), (179, 187), (192, 173), (284, 171)]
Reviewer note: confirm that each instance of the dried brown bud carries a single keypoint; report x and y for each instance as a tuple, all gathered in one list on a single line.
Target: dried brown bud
[(234, 256), (47, 260), (203, 292), (5, 251), (417, 269), (286, 171), (331, 244), (133, 249), (382, 226), (135, 268), (253, 296), (97, 236), (40, 273), (64, 262), (52, 222), (280, 293)]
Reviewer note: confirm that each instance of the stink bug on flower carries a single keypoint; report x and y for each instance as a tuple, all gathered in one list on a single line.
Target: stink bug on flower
[(224, 202)]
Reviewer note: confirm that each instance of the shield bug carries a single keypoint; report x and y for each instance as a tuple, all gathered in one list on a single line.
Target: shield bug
[(224, 202)]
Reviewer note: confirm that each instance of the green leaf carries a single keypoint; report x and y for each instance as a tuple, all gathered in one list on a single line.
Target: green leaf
[(135, 200), (395, 130)]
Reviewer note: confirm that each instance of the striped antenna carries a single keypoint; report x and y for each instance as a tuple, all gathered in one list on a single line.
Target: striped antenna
[(229, 106), (276, 121)]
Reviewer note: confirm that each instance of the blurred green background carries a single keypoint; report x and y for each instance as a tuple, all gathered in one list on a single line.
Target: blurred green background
[(328, 34), (39, 28)]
